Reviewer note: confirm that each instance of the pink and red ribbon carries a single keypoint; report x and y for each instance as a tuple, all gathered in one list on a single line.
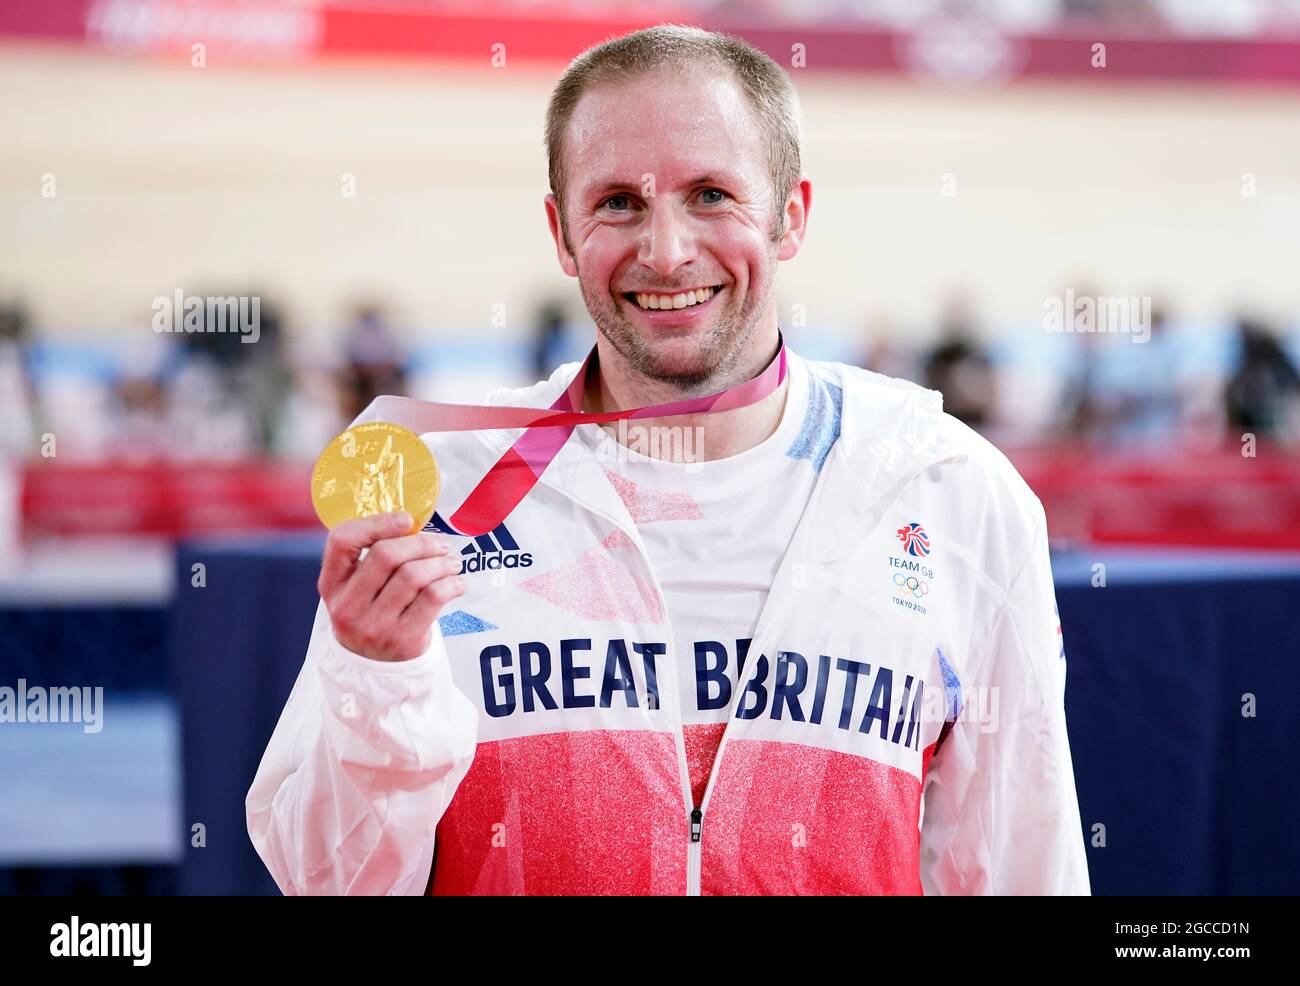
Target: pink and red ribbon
[(518, 470)]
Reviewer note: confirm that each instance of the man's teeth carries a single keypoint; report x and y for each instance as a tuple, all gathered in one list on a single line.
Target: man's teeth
[(696, 297)]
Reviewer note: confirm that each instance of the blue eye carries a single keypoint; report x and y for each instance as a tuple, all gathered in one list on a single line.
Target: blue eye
[(714, 191), (615, 198)]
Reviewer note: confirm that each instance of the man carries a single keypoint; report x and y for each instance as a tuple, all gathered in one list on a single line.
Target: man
[(819, 657)]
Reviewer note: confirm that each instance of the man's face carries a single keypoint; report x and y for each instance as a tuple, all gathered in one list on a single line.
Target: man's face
[(669, 193)]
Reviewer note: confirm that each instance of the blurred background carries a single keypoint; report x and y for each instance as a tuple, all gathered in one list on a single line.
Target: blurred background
[(1078, 219)]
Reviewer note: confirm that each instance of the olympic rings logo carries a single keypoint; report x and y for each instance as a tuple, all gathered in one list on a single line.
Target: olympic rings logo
[(917, 587)]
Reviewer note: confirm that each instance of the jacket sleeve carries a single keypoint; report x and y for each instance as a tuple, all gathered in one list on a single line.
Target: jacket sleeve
[(1000, 814), (362, 764)]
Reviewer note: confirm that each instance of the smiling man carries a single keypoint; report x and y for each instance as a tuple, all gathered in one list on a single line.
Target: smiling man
[(821, 656)]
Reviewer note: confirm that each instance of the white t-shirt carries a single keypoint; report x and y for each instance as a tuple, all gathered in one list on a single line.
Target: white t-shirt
[(716, 532)]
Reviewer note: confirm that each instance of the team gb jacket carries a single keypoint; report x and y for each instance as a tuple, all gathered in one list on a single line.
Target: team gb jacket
[(897, 724)]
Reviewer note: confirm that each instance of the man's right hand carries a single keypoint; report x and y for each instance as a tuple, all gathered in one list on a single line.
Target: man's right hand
[(383, 606)]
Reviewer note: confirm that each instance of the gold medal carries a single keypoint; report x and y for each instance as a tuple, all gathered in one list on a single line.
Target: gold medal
[(375, 468)]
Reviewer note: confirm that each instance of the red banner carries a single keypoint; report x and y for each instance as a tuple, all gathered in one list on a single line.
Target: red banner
[(1202, 499), (1212, 499), (165, 499), (962, 50)]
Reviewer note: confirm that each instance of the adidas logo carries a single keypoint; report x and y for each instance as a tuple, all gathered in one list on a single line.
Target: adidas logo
[(494, 550)]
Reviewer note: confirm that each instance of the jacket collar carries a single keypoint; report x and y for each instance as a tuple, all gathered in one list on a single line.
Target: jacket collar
[(890, 431)]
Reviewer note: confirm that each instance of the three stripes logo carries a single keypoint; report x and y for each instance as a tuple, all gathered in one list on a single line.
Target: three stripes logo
[(494, 550)]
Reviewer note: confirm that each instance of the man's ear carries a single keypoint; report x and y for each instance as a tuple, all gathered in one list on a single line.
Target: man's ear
[(795, 216), (567, 263)]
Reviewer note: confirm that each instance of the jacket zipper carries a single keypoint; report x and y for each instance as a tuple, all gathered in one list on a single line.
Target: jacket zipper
[(694, 817), (695, 850), (695, 813), (694, 853)]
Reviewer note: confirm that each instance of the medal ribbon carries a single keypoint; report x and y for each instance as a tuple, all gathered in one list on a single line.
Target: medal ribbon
[(522, 465)]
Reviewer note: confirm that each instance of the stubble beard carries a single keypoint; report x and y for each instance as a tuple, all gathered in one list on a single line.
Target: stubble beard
[(713, 352)]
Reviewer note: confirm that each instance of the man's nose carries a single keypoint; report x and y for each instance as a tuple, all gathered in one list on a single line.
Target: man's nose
[(667, 241)]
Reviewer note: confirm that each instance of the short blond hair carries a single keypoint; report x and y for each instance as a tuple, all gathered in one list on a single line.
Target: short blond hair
[(764, 83)]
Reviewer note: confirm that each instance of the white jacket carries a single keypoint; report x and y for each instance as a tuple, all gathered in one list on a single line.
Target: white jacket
[(901, 728)]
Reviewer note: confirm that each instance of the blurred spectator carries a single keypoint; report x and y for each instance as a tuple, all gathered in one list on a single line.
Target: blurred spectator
[(1127, 383), (960, 369), (373, 362), (17, 412), (884, 352), (226, 397), (141, 428), (264, 381), (1263, 393), (551, 327), (17, 395), (1085, 412), (1145, 379)]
